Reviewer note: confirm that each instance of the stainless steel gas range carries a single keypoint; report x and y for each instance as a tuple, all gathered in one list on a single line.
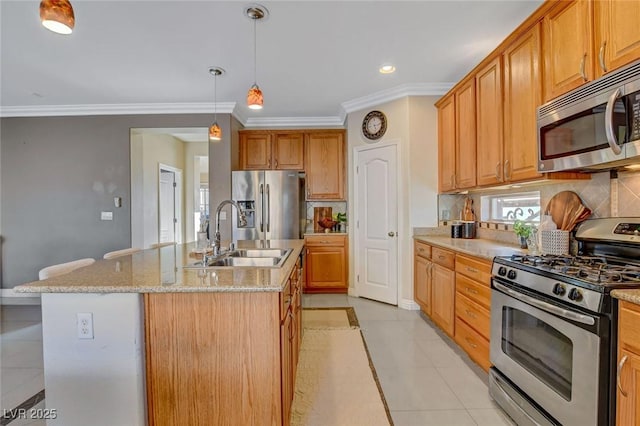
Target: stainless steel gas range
[(554, 327)]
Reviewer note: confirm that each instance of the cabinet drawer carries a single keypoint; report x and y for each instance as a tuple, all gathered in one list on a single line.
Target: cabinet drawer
[(443, 257), (421, 249), (473, 314), (629, 326), (477, 269), (324, 240), (479, 293), (476, 346)]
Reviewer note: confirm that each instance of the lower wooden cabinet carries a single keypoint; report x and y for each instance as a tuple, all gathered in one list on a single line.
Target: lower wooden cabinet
[(326, 264), (628, 380), (422, 270), (222, 358), (443, 297)]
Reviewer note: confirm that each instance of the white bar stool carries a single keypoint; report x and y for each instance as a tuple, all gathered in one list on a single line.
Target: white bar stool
[(123, 252), (63, 268)]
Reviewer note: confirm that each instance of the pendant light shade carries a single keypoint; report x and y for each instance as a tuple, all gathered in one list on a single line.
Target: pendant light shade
[(57, 16), (254, 97), (255, 100), (215, 132)]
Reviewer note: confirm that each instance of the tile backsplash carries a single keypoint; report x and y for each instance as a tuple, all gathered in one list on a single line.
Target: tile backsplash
[(603, 195)]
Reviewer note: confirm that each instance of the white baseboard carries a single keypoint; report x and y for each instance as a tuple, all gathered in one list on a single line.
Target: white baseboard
[(10, 297), (352, 292), (408, 304)]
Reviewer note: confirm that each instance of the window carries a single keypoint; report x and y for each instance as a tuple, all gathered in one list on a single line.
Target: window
[(523, 206)]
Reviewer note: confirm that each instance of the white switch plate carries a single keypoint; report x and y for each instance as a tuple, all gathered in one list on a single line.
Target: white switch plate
[(85, 325), (223, 215), (106, 215)]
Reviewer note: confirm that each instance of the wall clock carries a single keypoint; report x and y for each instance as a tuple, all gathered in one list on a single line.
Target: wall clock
[(374, 125)]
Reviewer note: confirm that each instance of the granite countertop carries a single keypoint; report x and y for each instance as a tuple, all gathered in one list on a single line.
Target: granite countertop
[(486, 249), (160, 270), (630, 295)]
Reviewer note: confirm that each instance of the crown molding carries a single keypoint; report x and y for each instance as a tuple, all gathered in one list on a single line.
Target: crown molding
[(116, 109), (279, 122), (410, 89)]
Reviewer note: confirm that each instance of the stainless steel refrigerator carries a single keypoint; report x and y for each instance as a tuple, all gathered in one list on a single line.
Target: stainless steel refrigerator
[(273, 202)]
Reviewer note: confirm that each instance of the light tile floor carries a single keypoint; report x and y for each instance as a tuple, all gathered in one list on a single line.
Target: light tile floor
[(21, 365), (426, 379)]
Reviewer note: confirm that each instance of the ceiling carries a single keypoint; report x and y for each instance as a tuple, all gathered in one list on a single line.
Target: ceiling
[(316, 60)]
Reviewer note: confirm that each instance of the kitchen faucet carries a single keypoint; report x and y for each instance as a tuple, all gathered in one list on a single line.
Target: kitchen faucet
[(242, 221)]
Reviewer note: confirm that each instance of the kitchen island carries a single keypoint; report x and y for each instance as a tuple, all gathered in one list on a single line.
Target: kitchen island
[(168, 345)]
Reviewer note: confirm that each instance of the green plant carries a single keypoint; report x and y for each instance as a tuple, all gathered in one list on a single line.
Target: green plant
[(521, 229)]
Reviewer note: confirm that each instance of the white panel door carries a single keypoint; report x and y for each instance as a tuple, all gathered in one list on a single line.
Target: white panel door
[(377, 224), (167, 207)]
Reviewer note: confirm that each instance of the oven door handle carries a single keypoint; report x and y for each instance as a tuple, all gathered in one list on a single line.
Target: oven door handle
[(548, 307)]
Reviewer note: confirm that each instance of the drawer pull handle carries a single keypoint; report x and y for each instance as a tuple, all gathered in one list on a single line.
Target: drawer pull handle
[(472, 270), (420, 249), (441, 257), (471, 290), (620, 367), (470, 314), (470, 342)]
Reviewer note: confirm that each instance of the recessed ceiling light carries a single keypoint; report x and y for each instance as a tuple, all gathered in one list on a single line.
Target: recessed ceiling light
[(387, 69)]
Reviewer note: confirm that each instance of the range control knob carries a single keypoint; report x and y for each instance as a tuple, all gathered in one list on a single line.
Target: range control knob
[(575, 295), (559, 289), (512, 274), (502, 271)]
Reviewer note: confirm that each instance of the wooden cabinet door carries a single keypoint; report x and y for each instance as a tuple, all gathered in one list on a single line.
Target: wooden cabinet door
[(443, 292), (489, 125), (447, 145), (617, 33), (628, 412), (255, 151), (286, 367), (324, 169), (422, 283), (568, 57), (326, 268), (522, 95), (465, 175), (288, 151)]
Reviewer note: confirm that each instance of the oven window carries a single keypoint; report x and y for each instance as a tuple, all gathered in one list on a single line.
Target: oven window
[(582, 132), (539, 348)]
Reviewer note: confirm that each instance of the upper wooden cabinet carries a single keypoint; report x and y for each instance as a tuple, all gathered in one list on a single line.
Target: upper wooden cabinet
[(447, 144), (265, 150), (585, 39), (489, 123), (324, 165), (465, 176), (617, 37), (457, 139), (568, 47), (522, 95)]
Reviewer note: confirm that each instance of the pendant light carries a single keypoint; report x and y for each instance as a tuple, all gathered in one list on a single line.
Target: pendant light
[(57, 16), (215, 132), (255, 99)]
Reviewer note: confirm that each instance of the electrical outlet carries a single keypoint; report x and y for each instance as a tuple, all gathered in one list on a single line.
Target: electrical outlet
[(85, 325)]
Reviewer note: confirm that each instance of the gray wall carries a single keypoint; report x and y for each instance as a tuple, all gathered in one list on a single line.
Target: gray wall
[(58, 173)]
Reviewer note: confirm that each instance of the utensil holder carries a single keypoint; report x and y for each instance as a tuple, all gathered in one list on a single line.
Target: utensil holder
[(555, 242)]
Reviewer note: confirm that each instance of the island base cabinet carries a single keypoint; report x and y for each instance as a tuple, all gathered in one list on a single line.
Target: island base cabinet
[(213, 358)]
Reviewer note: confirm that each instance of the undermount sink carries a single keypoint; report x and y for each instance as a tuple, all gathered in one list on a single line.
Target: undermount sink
[(248, 258)]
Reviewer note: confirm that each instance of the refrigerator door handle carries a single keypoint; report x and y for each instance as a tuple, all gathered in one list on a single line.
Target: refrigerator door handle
[(268, 208), (262, 215)]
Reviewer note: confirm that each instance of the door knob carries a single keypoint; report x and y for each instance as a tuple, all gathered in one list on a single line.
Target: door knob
[(391, 234)]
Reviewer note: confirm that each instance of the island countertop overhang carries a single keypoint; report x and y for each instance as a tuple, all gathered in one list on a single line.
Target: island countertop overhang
[(160, 270)]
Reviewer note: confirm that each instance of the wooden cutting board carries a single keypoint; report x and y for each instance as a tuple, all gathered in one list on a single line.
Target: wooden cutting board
[(318, 214)]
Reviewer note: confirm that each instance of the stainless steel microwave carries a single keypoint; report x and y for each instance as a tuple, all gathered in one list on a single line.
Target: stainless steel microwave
[(594, 127)]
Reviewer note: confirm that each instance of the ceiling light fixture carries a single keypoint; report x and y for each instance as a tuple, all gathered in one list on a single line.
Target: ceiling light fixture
[(255, 99), (57, 16), (215, 132), (387, 69)]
